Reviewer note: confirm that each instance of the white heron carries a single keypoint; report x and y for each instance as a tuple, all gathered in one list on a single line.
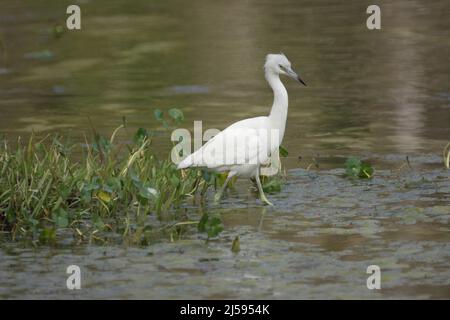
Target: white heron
[(262, 135)]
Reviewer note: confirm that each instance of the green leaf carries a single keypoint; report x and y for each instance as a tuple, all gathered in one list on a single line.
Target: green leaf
[(98, 222), (272, 186), (47, 235), (353, 167), (148, 192), (165, 124), (202, 223), (211, 225), (101, 144), (356, 168), (366, 171), (176, 114), (214, 231), (10, 215), (140, 135), (61, 218), (206, 175), (86, 197), (158, 114), (104, 196), (283, 152), (114, 184), (174, 180), (93, 185), (236, 246)]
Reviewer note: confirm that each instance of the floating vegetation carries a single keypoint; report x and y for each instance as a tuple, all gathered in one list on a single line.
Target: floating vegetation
[(211, 224), (39, 55), (272, 184), (100, 190), (58, 31), (355, 168), (113, 189), (45, 188), (176, 116), (236, 245)]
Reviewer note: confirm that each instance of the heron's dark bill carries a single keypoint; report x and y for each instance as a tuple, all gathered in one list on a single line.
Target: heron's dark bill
[(301, 81)]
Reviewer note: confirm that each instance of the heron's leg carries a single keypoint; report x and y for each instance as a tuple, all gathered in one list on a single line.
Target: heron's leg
[(261, 191), (218, 195)]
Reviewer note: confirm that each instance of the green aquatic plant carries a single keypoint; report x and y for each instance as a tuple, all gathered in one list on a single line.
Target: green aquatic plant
[(96, 190), (211, 224), (58, 31), (355, 168), (272, 184), (283, 152), (176, 116), (236, 245), (103, 189)]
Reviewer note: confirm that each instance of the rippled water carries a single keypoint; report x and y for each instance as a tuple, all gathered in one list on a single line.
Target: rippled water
[(382, 95), (317, 242)]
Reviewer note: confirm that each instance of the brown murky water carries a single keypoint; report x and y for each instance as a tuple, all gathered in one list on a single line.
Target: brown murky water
[(382, 95)]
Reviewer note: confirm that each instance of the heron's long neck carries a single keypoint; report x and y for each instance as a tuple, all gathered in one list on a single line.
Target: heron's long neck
[(278, 114)]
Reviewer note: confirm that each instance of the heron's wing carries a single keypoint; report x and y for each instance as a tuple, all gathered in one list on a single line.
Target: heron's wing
[(251, 123), (244, 141), (234, 146)]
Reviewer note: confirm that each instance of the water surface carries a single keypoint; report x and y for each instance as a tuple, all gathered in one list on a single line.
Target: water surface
[(382, 95)]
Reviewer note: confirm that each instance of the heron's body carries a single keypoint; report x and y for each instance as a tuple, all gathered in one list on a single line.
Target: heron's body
[(263, 135)]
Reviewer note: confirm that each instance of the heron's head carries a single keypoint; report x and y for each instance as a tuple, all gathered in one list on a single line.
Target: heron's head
[(279, 64)]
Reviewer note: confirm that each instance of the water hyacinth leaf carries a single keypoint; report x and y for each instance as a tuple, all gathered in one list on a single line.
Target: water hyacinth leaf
[(114, 184), (176, 114), (107, 188), (221, 178), (366, 171), (98, 222), (148, 192), (10, 215), (202, 223), (211, 225), (214, 227), (158, 114), (86, 197), (104, 196), (101, 144), (356, 168), (83, 193), (65, 191), (206, 175), (61, 218), (353, 166), (174, 180), (272, 186), (283, 152), (47, 235), (134, 177), (140, 135), (92, 185), (33, 222), (165, 124)]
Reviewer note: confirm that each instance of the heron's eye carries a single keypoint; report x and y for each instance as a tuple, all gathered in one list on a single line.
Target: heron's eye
[(281, 67)]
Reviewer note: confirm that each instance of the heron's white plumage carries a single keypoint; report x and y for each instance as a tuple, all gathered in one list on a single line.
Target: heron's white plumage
[(242, 147), (243, 142)]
